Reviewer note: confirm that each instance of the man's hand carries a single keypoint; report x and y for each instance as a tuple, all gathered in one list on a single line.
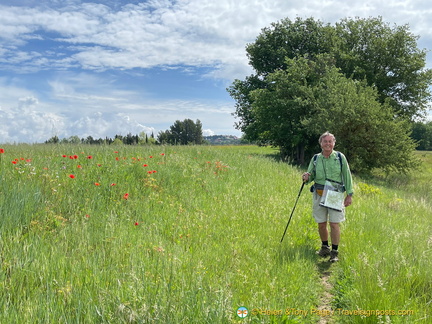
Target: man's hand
[(305, 177), (348, 201)]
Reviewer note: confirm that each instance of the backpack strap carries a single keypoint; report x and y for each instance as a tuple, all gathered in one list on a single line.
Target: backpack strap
[(315, 158), (340, 159)]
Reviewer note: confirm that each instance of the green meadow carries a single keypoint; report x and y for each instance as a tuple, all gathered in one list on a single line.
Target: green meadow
[(164, 234)]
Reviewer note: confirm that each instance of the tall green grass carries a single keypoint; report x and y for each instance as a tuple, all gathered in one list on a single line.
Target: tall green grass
[(189, 234)]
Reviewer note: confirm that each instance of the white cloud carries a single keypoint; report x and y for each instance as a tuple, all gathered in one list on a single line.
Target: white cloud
[(208, 132), (84, 104), (27, 123), (163, 33)]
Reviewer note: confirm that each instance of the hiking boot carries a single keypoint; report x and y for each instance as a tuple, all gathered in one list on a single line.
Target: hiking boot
[(334, 256), (324, 251)]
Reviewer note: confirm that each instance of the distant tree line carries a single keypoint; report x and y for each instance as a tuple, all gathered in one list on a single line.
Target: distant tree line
[(226, 140), (180, 133), (129, 139)]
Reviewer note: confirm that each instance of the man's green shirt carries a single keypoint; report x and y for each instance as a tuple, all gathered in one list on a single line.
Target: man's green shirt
[(330, 168)]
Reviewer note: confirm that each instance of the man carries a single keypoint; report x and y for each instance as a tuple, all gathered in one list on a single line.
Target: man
[(327, 165)]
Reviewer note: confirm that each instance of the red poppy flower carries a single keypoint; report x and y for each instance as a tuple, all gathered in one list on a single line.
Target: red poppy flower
[(89, 157), (79, 166), (1, 150), (145, 165), (136, 224), (14, 162), (71, 176), (162, 154), (97, 184), (112, 184), (64, 155), (126, 196)]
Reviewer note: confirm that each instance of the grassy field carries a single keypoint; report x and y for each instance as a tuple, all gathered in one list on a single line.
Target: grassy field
[(103, 234)]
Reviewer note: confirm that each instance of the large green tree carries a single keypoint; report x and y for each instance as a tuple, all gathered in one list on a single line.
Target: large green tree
[(387, 58), (311, 96), (280, 102)]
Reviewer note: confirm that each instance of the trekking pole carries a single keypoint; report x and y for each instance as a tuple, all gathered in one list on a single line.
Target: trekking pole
[(292, 211)]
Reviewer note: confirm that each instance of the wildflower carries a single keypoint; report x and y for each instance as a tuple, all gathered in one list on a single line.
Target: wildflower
[(64, 155), (1, 150), (151, 157), (71, 176), (136, 224), (14, 162), (145, 165), (112, 184), (158, 249), (162, 154), (126, 196), (97, 184), (79, 166), (87, 216), (89, 157)]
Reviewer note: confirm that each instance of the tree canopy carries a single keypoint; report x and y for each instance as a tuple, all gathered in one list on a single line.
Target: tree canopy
[(182, 133), (422, 134), (361, 79)]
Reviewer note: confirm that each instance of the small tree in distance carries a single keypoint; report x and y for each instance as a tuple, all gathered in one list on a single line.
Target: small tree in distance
[(182, 133)]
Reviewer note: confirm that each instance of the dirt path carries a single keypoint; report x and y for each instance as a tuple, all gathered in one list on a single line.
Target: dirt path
[(326, 298)]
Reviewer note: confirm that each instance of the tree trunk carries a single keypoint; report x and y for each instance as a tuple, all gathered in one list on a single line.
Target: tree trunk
[(300, 154)]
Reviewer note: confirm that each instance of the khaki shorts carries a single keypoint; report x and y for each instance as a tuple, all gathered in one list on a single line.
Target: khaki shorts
[(323, 214)]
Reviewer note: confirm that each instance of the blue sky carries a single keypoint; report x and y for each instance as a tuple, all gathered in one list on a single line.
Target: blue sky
[(101, 68)]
